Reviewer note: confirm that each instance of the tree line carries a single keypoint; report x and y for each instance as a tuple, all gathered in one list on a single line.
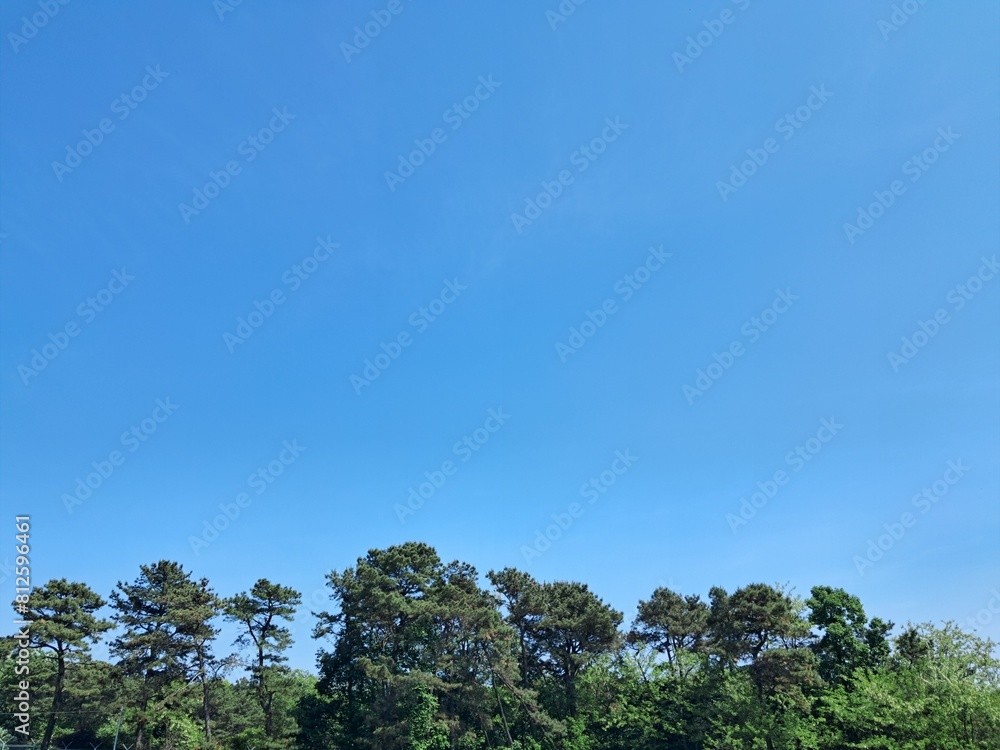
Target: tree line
[(419, 654)]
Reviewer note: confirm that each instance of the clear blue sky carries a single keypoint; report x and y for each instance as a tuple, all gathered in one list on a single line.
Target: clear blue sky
[(864, 99)]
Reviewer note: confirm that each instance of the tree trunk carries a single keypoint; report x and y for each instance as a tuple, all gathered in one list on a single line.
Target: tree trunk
[(269, 714), (266, 700), (140, 722), (206, 707), (510, 740), (50, 725)]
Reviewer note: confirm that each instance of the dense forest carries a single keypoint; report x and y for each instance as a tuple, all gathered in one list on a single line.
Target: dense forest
[(420, 654)]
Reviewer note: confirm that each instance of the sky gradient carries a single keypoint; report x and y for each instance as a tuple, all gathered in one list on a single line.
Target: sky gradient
[(600, 276)]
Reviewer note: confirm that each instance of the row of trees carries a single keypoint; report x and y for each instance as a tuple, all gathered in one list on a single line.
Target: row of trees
[(166, 683), (418, 655)]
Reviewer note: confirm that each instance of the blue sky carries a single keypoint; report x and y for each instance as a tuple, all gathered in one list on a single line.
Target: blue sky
[(644, 121)]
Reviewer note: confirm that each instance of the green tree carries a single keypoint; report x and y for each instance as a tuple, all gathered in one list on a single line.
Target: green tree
[(576, 628), (63, 622), (41, 669), (406, 623), (421, 657), (167, 632), (520, 595), (561, 628), (261, 612), (762, 637), (675, 626), (848, 642)]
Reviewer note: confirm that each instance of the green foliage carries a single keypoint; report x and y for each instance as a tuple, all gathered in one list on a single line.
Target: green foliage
[(260, 613), (674, 625), (63, 624), (166, 636), (561, 628), (847, 643), (419, 656), (419, 711)]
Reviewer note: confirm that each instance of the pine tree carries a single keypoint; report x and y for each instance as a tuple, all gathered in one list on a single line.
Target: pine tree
[(63, 621)]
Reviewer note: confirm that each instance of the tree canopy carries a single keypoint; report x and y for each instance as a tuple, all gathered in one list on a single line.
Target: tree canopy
[(416, 653)]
